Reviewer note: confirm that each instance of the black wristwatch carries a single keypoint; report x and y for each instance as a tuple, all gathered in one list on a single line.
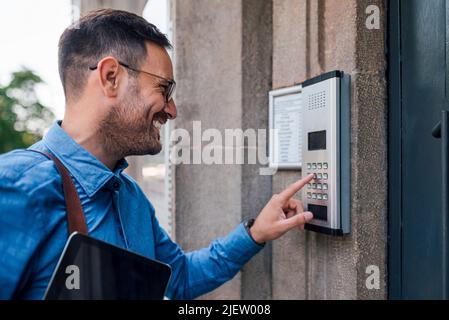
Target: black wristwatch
[(248, 224)]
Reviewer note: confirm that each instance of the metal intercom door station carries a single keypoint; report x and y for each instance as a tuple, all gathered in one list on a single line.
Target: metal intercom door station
[(326, 152)]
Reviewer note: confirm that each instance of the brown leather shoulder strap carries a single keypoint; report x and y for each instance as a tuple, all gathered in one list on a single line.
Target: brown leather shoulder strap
[(75, 214)]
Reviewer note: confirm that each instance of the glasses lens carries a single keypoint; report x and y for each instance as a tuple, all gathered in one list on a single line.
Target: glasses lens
[(170, 91)]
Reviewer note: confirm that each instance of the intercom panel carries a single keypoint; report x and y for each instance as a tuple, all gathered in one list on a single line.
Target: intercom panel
[(326, 152)]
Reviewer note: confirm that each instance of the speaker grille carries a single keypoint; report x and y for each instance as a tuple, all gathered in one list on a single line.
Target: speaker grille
[(317, 100)]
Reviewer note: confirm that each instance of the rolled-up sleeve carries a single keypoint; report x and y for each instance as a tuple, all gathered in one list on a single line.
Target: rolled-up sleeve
[(198, 272)]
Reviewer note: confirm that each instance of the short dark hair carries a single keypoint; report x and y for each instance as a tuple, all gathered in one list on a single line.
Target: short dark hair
[(99, 33)]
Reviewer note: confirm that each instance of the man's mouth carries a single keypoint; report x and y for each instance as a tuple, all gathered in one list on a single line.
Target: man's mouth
[(158, 125)]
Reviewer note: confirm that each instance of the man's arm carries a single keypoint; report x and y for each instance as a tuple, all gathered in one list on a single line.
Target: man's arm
[(201, 271)]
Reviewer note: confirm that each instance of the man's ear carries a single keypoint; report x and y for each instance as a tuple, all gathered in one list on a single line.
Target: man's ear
[(110, 75)]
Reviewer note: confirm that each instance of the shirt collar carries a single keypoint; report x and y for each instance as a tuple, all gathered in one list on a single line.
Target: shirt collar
[(90, 173)]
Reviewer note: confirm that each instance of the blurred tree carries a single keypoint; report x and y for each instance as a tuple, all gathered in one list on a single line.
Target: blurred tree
[(22, 117)]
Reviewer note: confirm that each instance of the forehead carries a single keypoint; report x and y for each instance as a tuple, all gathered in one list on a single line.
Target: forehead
[(158, 61)]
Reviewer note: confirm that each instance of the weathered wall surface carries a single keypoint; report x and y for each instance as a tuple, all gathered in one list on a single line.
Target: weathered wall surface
[(223, 66), (135, 6), (311, 37)]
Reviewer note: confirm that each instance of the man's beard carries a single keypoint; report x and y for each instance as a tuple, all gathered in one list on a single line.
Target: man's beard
[(125, 132)]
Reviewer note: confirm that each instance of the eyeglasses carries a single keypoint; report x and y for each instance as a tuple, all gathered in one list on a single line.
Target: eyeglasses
[(170, 87)]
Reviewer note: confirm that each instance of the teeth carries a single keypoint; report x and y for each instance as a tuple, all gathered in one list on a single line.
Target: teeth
[(157, 124)]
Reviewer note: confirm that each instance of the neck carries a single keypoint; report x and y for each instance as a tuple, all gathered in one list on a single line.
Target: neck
[(86, 135)]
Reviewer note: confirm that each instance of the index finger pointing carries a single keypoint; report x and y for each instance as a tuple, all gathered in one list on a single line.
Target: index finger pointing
[(295, 187)]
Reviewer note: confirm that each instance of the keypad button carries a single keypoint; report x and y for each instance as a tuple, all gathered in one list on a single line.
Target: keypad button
[(319, 186), (324, 196), (313, 185), (313, 166), (325, 165), (319, 176), (314, 196), (325, 186), (319, 196), (319, 165), (309, 166), (325, 176), (309, 185), (309, 196)]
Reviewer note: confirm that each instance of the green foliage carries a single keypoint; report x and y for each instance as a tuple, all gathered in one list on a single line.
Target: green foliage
[(22, 117)]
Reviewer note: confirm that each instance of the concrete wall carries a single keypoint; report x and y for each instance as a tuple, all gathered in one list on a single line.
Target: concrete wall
[(311, 37), (225, 51), (135, 6), (223, 67)]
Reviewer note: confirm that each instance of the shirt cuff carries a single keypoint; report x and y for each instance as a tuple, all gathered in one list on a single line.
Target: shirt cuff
[(240, 246)]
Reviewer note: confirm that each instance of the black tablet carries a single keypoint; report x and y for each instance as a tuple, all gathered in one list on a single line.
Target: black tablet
[(93, 269)]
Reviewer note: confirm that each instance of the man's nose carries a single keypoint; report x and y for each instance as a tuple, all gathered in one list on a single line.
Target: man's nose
[(170, 109)]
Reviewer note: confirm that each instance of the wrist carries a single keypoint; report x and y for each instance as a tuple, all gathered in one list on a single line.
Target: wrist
[(253, 233), (257, 239)]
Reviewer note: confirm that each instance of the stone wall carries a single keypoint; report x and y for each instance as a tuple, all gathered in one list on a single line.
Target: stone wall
[(223, 67), (225, 50), (311, 37)]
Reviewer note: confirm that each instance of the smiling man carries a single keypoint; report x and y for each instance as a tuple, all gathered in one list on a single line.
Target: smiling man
[(118, 81)]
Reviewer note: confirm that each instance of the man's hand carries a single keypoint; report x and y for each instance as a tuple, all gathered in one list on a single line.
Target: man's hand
[(281, 214)]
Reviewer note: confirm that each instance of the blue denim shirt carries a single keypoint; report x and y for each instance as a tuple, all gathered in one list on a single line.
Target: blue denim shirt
[(33, 225)]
